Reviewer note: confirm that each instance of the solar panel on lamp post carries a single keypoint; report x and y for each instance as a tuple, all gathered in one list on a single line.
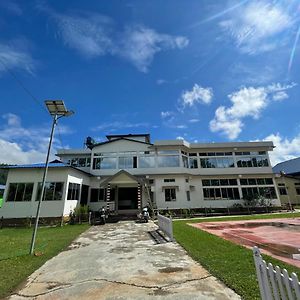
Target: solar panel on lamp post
[(57, 110)]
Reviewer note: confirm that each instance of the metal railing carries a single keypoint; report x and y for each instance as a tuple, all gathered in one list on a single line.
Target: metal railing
[(275, 283), (166, 225)]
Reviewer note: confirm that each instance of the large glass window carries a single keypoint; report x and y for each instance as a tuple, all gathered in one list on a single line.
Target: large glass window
[(227, 193), (256, 181), (185, 161), (254, 192), (20, 192), (170, 194), (127, 162), (98, 195), (220, 162), (73, 191), (146, 162), (53, 191), (219, 182), (105, 163), (250, 161), (168, 161)]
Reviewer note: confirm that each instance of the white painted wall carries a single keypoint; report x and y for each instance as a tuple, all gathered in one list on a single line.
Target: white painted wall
[(48, 208)]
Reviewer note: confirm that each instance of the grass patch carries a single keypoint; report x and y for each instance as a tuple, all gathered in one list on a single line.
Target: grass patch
[(15, 262), (231, 263)]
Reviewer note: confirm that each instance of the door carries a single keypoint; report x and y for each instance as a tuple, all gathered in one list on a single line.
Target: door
[(127, 198), (84, 194)]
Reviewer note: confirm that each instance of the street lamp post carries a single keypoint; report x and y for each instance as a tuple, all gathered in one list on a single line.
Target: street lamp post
[(57, 110)]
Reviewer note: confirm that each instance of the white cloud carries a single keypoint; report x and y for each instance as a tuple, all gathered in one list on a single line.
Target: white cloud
[(12, 57), (139, 44), (180, 126), (20, 145), (161, 81), (256, 26), (179, 138), (194, 120), (119, 125), (285, 148), (198, 94), (279, 96), (166, 114), (94, 35), (246, 102)]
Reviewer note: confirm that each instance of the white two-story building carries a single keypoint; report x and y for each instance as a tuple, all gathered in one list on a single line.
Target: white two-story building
[(128, 172)]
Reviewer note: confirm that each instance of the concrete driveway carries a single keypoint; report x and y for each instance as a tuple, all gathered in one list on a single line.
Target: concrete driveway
[(121, 261)]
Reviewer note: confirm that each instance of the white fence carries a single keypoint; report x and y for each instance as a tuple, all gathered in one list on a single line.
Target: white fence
[(275, 283), (166, 225)]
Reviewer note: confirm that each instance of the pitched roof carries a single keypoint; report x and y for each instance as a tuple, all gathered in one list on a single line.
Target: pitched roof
[(118, 139), (291, 166)]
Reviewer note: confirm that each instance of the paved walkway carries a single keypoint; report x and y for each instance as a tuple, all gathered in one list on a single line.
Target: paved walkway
[(121, 261)]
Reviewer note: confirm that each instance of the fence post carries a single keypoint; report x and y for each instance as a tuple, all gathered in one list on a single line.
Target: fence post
[(90, 217), (257, 262)]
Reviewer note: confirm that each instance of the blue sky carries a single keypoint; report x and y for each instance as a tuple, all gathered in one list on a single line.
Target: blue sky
[(205, 71)]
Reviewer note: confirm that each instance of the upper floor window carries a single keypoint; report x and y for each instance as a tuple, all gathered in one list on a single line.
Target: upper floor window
[(252, 161), (215, 153), (169, 180), (219, 182), (147, 162), (220, 162), (127, 162), (105, 163), (80, 162), (256, 181), (168, 161)]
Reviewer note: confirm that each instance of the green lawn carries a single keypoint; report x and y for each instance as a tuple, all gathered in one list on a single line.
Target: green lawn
[(16, 264), (231, 263)]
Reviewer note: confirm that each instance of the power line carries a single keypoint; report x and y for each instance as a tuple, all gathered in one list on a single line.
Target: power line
[(22, 85)]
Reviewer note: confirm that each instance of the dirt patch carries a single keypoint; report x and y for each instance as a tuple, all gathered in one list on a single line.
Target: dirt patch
[(171, 270)]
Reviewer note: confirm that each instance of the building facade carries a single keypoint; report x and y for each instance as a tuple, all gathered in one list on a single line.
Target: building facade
[(127, 172), (287, 175)]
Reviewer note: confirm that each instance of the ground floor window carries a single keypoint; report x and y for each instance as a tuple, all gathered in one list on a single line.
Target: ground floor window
[(170, 194), (73, 191), (188, 196), (254, 192), (19, 192), (221, 194), (98, 195), (53, 191)]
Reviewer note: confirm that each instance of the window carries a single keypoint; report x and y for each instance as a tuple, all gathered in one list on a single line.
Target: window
[(126, 162), (185, 161), (282, 191), (252, 161), (227, 193), (193, 162), (53, 191), (169, 180), (146, 162), (98, 195), (168, 161), (254, 192), (105, 163), (297, 190), (151, 181), (19, 192), (221, 162), (188, 196), (218, 182), (170, 194), (73, 191), (257, 181), (80, 162)]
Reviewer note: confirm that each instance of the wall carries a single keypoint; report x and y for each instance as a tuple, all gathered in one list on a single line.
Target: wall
[(291, 190), (35, 175)]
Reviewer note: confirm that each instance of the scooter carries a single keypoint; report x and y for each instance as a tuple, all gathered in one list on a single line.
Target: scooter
[(102, 216)]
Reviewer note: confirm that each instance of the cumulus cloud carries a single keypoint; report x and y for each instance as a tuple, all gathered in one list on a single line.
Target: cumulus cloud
[(94, 35), (285, 148), (20, 145), (197, 94), (166, 114), (180, 138), (246, 102), (257, 26)]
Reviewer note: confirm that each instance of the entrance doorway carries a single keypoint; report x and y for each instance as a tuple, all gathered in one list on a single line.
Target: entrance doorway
[(127, 198), (84, 194)]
